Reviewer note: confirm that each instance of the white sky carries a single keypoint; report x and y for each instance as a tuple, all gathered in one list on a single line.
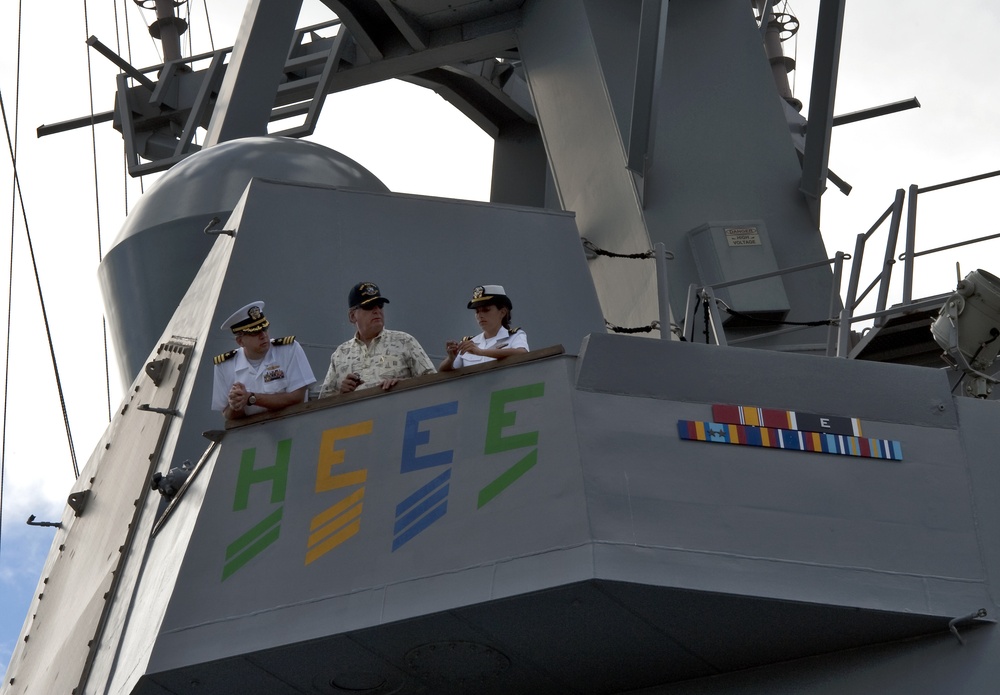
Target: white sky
[(942, 53)]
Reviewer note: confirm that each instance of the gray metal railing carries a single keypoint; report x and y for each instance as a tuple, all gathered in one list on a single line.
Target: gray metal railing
[(911, 229), (707, 301), (907, 257), (839, 334)]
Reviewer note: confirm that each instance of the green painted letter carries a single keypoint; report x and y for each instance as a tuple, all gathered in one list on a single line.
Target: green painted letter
[(277, 474), (500, 418)]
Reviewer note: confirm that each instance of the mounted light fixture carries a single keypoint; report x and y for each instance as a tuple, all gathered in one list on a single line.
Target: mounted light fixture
[(968, 328)]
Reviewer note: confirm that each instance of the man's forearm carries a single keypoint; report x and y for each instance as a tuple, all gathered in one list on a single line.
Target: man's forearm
[(277, 401)]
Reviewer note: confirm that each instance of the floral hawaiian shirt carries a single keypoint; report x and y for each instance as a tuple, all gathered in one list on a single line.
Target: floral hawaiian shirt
[(391, 355)]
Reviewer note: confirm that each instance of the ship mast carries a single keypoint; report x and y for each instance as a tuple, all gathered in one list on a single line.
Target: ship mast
[(168, 27)]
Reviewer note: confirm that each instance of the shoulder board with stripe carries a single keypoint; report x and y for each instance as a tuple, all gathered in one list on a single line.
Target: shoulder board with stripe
[(513, 330), (287, 340), (219, 359)]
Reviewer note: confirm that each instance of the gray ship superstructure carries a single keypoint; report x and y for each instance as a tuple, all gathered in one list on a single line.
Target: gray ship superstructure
[(750, 498)]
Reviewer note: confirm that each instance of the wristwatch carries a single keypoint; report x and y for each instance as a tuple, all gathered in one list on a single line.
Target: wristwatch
[(252, 400)]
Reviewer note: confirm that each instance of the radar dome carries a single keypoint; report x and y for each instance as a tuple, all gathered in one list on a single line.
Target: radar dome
[(162, 244), (210, 182)]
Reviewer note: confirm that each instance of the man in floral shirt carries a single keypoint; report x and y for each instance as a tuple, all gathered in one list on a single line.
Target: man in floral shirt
[(375, 356)]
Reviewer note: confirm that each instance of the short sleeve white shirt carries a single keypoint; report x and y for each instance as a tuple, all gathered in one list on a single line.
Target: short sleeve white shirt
[(503, 339), (283, 369)]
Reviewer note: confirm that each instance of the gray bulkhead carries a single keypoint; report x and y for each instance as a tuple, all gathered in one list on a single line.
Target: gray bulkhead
[(539, 527)]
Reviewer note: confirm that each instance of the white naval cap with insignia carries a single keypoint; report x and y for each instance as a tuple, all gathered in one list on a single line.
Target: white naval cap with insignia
[(247, 319), (489, 294)]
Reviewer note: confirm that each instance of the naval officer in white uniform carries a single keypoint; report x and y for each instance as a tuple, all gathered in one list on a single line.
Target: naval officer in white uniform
[(261, 374), (498, 340)]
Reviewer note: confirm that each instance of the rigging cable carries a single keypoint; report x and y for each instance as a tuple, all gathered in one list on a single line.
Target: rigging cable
[(38, 283), (190, 41), (211, 40), (97, 198), (156, 44), (118, 46), (139, 5), (208, 23), (10, 275), (128, 44)]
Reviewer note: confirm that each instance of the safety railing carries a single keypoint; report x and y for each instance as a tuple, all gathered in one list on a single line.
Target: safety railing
[(909, 255), (883, 280), (842, 316), (701, 298)]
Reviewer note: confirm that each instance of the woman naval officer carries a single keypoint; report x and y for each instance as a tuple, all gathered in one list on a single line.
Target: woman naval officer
[(498, 339)]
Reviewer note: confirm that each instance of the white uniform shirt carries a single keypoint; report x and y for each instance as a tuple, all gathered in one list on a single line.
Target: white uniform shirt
[(503, 339), (283, 369)]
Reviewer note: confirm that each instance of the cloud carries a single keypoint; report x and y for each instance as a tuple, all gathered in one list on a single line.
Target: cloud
[(23, 555)]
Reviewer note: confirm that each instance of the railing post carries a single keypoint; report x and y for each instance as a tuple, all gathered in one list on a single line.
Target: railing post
[(714, 319), (663, 289), (851, 300), (844, 336), (838, 274), (690, 312), (911, 242), (890, 250), (703, 310)]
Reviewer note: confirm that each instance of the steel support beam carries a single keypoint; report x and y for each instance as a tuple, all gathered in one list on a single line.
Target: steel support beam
[(585, 151), (821, 98), (245, 100), (648, 69)]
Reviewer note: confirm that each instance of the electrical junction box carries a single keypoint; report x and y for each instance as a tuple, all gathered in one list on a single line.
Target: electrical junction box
[(727, 251)]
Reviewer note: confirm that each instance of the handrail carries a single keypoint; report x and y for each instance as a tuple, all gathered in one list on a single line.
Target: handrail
[(917, 254), (838, 339), (890, 247), (839, 334), (958, 182), (707, 293), (404, 385), (773, 273), (911, 227), (926, 303), (907, 257)]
